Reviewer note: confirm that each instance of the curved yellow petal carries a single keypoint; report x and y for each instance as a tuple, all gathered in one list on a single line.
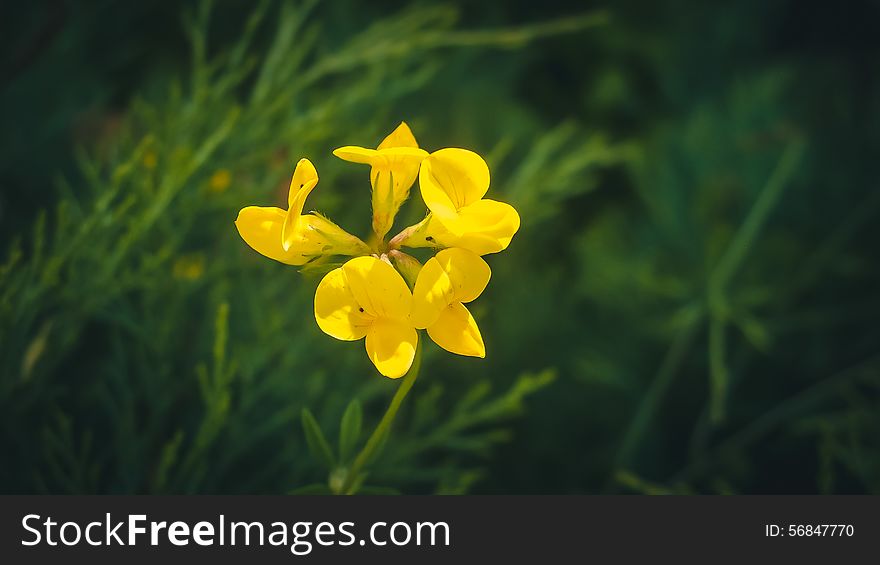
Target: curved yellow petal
[(378, 288), (479, 243), (490, 218), (485, 227), (337, 311), (451, 179), (260, 227), (402, 136), (456, 331), (403, 161), (355, 154), (305, 178), (432, 293), (452, 276), (391, 346), (314, 236), (467, 272), (288, 230)]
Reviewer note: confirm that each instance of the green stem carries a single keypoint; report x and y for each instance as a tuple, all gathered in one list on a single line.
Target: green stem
[(381, 432), (644, 415), (743, 240)]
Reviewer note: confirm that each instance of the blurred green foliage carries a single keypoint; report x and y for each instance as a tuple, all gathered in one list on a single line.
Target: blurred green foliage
[(689, 306)]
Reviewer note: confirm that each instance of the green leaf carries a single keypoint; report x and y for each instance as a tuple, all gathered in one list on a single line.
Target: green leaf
[(350, 429), (315, 439)]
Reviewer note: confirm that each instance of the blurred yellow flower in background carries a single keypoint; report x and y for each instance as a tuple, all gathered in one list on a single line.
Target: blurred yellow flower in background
[(220, 180), (150, 159), (189, 267)]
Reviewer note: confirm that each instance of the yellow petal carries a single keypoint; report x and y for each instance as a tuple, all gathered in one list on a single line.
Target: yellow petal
[(432, 293), (390, 158), (314, 236), (305, 178), (479, 243), (355, 154), (487, 224), (337, 311), (452, 276), (378, 288), (260, 227), (493, 234), (451, 179), (391, 347), (402, 136), (382, 158), (456, 331), (467, 272)]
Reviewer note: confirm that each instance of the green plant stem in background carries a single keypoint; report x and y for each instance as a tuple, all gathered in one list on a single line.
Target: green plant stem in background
[(510, 38), (743, 241), (727, 267), (647, 409), (377, 439)]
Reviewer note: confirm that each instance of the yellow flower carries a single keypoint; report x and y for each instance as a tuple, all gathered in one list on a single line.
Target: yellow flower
[(366, 297), (220, 180), (449, 279), (189, 267), (453, 182), (394, 168), (384, 295), (150, 160), (291, 237)]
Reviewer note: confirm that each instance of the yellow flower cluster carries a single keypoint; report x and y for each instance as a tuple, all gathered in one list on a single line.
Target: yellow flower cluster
[(383, 294)]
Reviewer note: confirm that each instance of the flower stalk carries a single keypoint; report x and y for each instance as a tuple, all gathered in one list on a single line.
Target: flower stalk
[(377, 438)]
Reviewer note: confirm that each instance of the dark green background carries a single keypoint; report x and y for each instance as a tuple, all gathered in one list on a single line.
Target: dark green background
[(690, 306)]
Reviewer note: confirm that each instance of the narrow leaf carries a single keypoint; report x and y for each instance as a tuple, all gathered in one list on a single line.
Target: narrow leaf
[(350, 429), (315, 439)]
